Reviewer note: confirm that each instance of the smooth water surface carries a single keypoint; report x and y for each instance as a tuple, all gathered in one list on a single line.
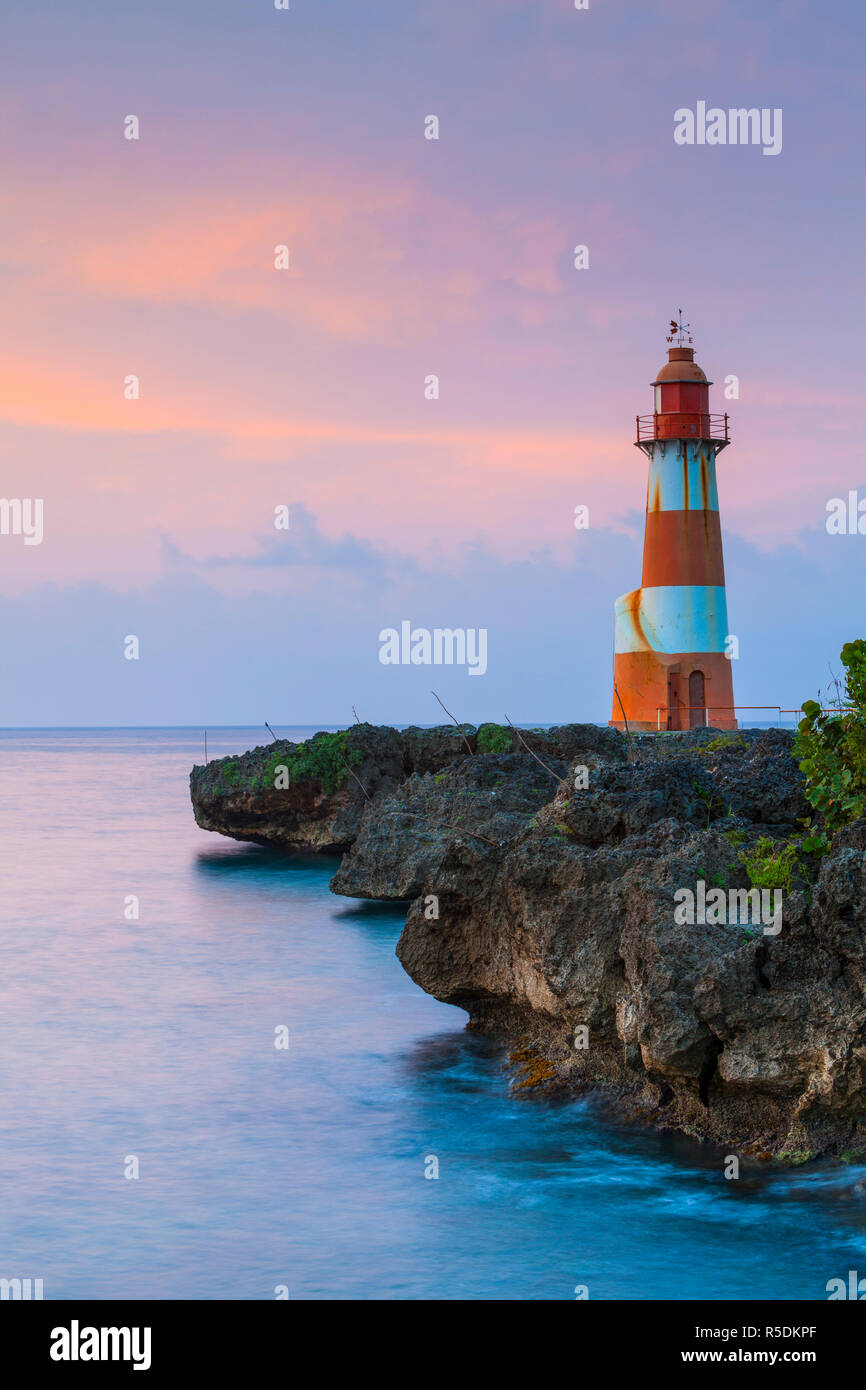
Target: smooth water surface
[(305, 1167)]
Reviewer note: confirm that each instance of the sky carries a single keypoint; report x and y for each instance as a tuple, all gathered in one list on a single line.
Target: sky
[(411, 257)]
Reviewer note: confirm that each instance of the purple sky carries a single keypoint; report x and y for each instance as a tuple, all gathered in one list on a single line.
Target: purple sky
[(410, 257)]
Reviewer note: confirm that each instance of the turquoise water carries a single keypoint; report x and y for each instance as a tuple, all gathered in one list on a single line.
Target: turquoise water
[(305, 1167)]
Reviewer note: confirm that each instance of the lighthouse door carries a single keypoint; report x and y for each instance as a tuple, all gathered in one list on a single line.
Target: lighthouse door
[(697, 700)]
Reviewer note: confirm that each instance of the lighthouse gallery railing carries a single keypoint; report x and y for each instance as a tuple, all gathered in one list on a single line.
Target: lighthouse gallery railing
[(712, 427)]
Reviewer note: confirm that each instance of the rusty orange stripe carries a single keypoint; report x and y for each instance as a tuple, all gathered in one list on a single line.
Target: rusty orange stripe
[(683, 548)]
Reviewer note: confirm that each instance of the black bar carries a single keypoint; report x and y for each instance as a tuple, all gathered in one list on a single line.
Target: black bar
[(219, 1339)]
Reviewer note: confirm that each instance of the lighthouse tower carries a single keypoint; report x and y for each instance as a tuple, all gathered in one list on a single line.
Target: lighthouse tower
[(670, 667)]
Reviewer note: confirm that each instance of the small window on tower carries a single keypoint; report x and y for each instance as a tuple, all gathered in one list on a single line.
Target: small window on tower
[(658, 400)]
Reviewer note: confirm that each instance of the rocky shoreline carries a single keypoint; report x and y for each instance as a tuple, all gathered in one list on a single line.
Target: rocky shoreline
[(546, 876)]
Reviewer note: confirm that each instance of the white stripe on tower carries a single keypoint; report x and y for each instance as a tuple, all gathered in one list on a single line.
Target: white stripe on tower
[(672, 618)]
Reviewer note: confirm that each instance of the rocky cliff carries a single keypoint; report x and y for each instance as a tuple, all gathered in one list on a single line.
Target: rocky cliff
[(551, 897), (311, 796)]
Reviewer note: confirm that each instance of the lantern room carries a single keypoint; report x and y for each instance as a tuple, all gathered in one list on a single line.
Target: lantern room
[(682, 403)]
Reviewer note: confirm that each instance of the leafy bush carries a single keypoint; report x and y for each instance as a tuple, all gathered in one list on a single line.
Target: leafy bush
[(831, 746), (814, 842), (494, 738), (321, 759)]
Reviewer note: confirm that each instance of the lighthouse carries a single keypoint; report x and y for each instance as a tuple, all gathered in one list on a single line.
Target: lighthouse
[(670, 668)]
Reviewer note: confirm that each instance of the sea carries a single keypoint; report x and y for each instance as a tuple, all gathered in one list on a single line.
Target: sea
[(217, 1081)]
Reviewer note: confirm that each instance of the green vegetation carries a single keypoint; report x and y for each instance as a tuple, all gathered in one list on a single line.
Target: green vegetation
[(831, 746), (325, 758), (714, 745), (770, 863), (813, 842), (494, 738), (778, 863), (719, 880), (230, 774), (714, 804), (736, 834)]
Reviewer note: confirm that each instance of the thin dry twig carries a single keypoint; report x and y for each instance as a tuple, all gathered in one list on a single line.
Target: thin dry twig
[(451, 716), (835, 683), (271, 732), (625, 721), (355, 712), (358, 780), (556, 778)]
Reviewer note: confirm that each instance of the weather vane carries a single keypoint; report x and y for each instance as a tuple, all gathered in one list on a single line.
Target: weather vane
[(679, 330)]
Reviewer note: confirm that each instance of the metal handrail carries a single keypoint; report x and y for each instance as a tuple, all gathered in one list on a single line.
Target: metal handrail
[(717, 425), (825, 709), (728, 709), (716, 709)]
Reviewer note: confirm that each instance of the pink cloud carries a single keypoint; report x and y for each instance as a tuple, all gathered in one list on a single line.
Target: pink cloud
[(368, 256)]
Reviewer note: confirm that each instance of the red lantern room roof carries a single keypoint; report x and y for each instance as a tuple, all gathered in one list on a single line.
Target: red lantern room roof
[(681, 366)]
